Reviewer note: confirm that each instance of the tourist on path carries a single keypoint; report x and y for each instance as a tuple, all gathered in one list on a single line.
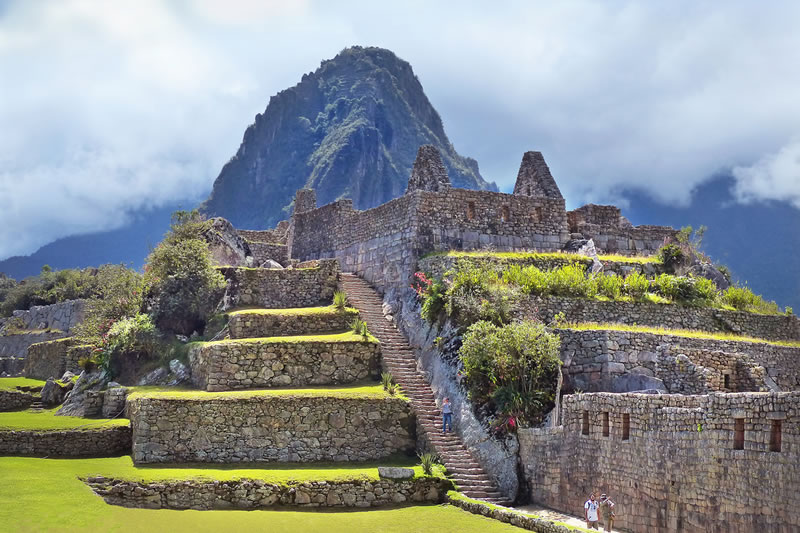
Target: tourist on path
[(447, 415), (590, 513), (607, 512)]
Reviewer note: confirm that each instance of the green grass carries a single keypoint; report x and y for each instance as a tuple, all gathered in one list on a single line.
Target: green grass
[(362, 390), (325, 310), (13, 383), (47, 420), (695, 334), (347, 336), (614, 258), (42, 495)]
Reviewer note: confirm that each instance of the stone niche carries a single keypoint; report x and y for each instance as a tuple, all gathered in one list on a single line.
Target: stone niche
[(255, 363), (269, 428)]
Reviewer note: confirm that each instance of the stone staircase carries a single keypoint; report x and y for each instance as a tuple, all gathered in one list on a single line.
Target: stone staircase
[(399, 359)]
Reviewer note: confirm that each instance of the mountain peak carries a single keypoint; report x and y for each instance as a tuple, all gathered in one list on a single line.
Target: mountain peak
[(350, 129)]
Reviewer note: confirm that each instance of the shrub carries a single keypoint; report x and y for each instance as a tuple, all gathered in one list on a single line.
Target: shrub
[(184, 285), (428, 461), (513, 368), (130, 336), (743, 299), (671, 256), (610, 286), (571, 280), (705, 289), (359, 327), (120, 293), (529, 279), (432, 294), (386, 380), (87, 363), (789, 311), (340, 300), (47, 288), (666, 286), (477, 294)]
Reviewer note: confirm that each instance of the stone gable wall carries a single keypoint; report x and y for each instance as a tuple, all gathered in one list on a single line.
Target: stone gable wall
[(48, 359), (607, 360), (273, 236), (308, 285), (770, 327), (11, 400), (250, 325), (98, 442), (678, 470), (260, 494), (263, 251), (16, 345), (270, 429), (231, 365), (62, 316)]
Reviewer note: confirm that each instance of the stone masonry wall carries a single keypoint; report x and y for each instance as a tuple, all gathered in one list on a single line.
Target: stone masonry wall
[(614, 361), (308, 285), (263, 251), (247, 364), (770, 327), (246, 325), (11, 400), (612, 233), (260, 494), (62, 316), (16, 345), (11, 366), (47, 359), (98, 442), (269, 428), (683, 467)]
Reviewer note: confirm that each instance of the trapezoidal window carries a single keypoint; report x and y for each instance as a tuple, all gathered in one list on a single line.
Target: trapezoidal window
[(626, 426), (505, 213), (606, 425), (585, 428), (738, 433), (775, 436), (470, 210), (727, 381)]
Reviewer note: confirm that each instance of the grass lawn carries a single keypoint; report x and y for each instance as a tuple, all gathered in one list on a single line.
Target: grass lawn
[(695, 334), (325, 310), (46, 495), (347, 336), (46, 420), (614, 258), (368, 390), (13, 383)]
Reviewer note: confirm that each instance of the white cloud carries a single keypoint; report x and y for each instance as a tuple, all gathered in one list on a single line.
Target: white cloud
[(773, 177), (109, 106)]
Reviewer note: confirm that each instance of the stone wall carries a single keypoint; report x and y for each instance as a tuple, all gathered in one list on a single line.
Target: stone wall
[(509, 516), (74, 355), (62, 316), (11, 366), (770, 327), (260, 494), (682, 466), (310, 284), (47, 359), (16, 344), (275, 236), (98, 442), (249, 324), (254, 363), (269, 428), (613, 233), (11, 400), (384, 243), (620, 361), (262, 251)]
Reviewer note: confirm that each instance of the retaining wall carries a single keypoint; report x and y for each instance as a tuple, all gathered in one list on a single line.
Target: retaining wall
[(99, 442), (11, 400), (254, 363), (259, 494), (680, 467), (269, 428), (48, 359), (246, 325)]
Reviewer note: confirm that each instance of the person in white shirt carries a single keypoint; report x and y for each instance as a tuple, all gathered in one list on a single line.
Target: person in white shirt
[(590, 513)]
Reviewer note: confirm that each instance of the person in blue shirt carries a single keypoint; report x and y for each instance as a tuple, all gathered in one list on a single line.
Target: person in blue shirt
[(447, 415)]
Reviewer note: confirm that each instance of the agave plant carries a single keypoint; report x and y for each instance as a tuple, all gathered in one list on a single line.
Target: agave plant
[(427, 461), (340, 300)]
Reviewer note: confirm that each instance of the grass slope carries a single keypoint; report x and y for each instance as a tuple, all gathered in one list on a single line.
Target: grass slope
[(13, 383), (614, 258), (46, 420), (695, 334), (42, 495), (361, 390), (325, 310), (348, 336)]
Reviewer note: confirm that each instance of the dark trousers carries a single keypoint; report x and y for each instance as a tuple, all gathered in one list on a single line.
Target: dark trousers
[(447, 421)]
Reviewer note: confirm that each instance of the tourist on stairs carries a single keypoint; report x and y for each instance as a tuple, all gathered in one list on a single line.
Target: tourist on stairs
[(447, 416)]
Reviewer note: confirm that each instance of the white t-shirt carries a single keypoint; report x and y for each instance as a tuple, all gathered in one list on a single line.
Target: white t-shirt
[(591, 510)]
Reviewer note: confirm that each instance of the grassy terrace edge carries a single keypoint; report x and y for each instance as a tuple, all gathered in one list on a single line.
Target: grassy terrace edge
[(614, 258), (47, 421), (356, 391), (689, 333), (324, 310), (347, 336), (13, 383)]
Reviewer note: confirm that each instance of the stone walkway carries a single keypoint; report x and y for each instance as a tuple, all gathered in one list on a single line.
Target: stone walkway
[(550, 514), (399, 359)]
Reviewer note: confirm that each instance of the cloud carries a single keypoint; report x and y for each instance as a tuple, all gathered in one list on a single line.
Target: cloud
[(773, 177), (107, 107)]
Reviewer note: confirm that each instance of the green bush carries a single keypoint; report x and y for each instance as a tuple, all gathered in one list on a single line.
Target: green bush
[(571, 280), (610, 286), (120, 293), (671, 256), (184, 286), (359, 327), (131, 336), (666, 286), (743, 299), (705, 289), (513, 369), (529, 279), (636, 285), (47, 288), (478, 294), (428, 461)]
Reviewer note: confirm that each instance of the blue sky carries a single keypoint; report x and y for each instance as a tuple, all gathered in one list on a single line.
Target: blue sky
[(111, 107)]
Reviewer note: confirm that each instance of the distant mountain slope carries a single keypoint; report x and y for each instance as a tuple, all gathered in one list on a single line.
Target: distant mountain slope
[(760, 243), (351, 129)]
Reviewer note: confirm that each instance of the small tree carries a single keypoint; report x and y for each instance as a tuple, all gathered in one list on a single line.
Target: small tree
[(184, 285), (512, 368)]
